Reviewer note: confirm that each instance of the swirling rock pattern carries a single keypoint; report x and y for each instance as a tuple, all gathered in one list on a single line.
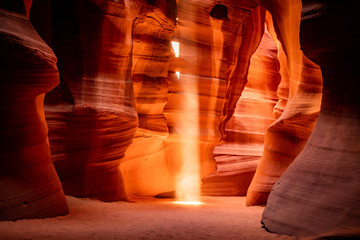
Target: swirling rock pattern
[(29, 186), (319, 194), (147, 172), (238, 157), (91, 115), (207, 56), (210, 40), (287, 136)]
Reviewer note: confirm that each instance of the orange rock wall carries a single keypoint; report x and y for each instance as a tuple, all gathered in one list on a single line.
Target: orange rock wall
[(114, 117), (29, 185), (205, 62), (318, 196), (287, 136), (237, 157), (147, 172), (91, 114)]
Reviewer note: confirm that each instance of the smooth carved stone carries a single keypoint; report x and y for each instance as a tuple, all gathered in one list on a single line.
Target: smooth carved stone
[(287, 136), (319, 194), (208, 55), (239, 155), (148, 172), (283, 88), (237, 77), (91, 115), (29, 185), (152, 33)]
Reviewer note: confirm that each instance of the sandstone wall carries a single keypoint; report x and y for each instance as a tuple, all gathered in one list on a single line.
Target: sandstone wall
[(319, 193), (91, 114), (238, 156), (287, 136), (29, 185)]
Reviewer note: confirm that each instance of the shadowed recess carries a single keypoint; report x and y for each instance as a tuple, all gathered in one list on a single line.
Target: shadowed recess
[(219, 11)]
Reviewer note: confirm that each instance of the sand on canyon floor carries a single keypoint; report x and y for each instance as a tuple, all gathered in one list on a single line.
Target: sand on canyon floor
[(146, 218)]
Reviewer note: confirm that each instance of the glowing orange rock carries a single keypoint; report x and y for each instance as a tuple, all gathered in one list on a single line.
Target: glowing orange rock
[(207, 55), (319, 193), (91, 115), (146, 171), (210, 37), (287, 136), (29, 186), (240, 153)]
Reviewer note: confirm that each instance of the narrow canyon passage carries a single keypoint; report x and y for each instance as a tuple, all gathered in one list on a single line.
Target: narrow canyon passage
[(112, 111)]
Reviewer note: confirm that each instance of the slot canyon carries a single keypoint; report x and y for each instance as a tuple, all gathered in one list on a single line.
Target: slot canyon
[(179, 119)]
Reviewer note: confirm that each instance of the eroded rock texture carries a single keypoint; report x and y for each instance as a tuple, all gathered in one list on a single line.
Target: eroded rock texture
[(238, 156), (319, 193), (287, 136), (210, 38), (208, 49), (29, 186), (146, 172), (91, 114)]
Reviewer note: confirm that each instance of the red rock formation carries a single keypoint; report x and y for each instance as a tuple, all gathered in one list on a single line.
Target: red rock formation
[(287, 136), (91, 115), (238, 157), (206, 60), (209, 40), (29, 186), (319, 193), (146, 172)]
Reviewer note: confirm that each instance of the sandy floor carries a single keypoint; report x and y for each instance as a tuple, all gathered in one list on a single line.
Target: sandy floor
[(218, 218)]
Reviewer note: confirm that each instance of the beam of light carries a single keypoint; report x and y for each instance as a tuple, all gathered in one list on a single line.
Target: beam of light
[(188, 203), (175, 46), (188, 181)]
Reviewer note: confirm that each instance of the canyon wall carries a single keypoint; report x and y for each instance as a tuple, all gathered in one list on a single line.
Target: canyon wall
[(91, 114), (210, 36), (206, 58), (147, 172), (287, 136), (147, 89), (238, 155), (29, 185), (319, 193)]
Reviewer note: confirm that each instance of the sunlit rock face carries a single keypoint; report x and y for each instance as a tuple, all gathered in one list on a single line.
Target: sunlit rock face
[(209, 34), (91, 114), (238, 156), (146, 172), (200, 71), (319, 194), (287, 136), (29, 186)]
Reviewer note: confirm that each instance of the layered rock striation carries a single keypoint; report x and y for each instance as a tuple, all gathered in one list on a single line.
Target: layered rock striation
[(29, 185), (287, 136), (319, 193), (146, 172), (210, 36), (91, 114), (238, 156)]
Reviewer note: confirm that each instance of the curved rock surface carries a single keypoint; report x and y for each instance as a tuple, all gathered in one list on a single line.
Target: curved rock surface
[(287, 136), (238, 156), (205, 61), (29, 186), (319, 194), (91, 114), (209, 52), (146, 172), (120, 83)]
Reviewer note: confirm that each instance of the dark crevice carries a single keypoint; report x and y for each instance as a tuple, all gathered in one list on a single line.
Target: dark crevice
[(219, 11)]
